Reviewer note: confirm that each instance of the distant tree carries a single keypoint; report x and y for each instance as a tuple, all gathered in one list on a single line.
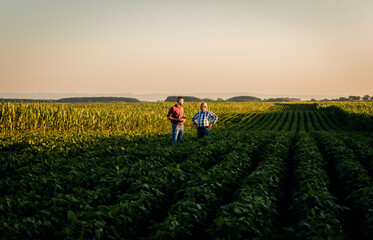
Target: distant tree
[(354, 98), (208, 100), (186, 99), (75, 100), (342, 99), (26, 100), (220, 100), (97, 99), (366, 98), (244, 99), (282, 100), (313, 100)]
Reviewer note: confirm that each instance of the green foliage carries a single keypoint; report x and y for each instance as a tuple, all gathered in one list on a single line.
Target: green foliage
[(254, 211), (314, 209), (109, 171), (353, 180)]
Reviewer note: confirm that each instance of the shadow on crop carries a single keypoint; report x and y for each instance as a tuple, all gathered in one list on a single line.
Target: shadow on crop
[(353, 121)]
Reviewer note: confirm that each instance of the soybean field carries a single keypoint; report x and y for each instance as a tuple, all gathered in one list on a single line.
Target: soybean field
[(109, 171)]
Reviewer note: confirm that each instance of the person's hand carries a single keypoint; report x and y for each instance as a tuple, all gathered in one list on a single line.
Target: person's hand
[(196, 126), (210, 125)]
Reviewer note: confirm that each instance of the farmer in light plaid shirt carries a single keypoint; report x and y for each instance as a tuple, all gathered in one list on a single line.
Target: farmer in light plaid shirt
[(203, 124)]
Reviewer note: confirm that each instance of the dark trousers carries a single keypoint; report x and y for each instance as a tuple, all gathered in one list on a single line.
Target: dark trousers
[(201, 132)]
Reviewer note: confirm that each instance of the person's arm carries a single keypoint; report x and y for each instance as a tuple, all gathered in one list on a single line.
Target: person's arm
[(182, 119), (194, 119), (214, 119), (170, 114)]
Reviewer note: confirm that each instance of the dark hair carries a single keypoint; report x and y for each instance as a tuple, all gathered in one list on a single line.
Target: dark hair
[(178, 98)]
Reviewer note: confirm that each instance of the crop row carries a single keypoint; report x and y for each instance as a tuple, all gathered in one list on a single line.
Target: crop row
[(204, 191), (353, 183), (254, 211), (362, 149), (357, 116), (294, 121), (80, 195), (230, 185), (314, 211)]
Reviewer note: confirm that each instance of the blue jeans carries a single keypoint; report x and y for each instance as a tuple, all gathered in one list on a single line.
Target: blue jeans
[(201, 131), (177, 132)]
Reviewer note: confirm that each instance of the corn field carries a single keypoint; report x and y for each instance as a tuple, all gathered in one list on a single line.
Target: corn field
[(20, 118)]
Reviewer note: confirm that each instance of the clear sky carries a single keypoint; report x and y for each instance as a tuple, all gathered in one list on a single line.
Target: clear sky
[(258, 46)]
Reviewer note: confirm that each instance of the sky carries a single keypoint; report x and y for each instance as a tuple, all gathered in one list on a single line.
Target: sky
[(271, 47)]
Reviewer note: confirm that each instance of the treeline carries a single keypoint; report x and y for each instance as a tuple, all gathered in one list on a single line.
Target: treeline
[(97, 99), (189, 99), (20, 100), (74, 100), (365, 98), (233, 99)]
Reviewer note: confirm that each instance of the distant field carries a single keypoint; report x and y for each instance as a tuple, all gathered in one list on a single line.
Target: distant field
[(26, 118), (108, 171)]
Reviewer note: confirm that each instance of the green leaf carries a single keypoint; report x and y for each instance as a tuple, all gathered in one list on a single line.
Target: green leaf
[(98, 233), (221, 221), (71, 215)]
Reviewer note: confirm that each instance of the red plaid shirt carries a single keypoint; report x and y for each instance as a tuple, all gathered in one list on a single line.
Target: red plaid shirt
[(176, 112)]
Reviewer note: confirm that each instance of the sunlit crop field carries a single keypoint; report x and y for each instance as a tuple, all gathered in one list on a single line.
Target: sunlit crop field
[(109, 171), (27, 118)]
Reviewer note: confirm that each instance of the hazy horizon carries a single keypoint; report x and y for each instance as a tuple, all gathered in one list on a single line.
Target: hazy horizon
[(280, 48), (161, 96)]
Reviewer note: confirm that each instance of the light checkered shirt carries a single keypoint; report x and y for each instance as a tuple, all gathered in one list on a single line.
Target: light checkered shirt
[(203, 118)]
